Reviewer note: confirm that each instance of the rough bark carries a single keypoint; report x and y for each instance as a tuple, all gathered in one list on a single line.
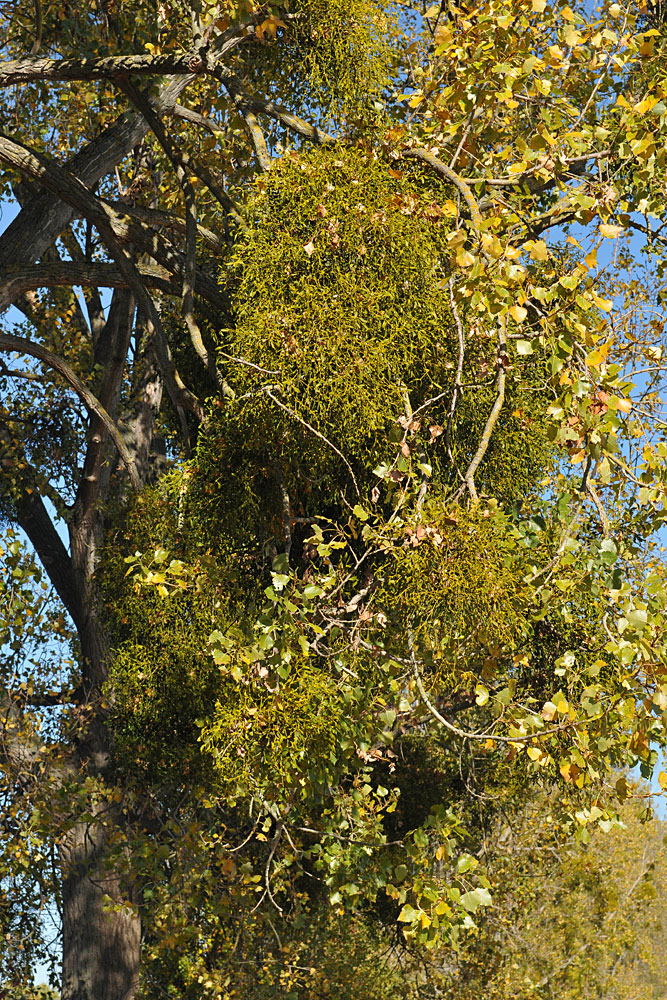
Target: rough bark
[(101, 930), (45, 216)]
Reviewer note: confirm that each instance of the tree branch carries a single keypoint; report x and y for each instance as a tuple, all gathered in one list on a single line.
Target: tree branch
[(34, 519), (43, 218), (242, 104), (491, 422), (102, 68), (313, 430), (16, 280), (70, 189), (143, 104), (93, 405)]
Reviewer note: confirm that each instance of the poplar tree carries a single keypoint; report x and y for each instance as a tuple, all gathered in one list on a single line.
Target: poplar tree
[(332, 474)]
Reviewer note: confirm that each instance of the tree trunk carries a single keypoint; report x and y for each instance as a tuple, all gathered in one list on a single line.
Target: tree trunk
[(101, 941), (101, 927)]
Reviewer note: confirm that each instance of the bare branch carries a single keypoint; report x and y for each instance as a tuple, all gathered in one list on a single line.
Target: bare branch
[(39, 27), (69, 188), (449, 175), (16, 280), (144, 105), (102, 68), (313, 430), (93, 405), (44, 217), (459, 370), (491, 422), (260, 107), (255, 134), (155, 217)]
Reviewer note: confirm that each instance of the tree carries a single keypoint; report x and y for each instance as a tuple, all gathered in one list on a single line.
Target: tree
[(360, 467), (571, 919)]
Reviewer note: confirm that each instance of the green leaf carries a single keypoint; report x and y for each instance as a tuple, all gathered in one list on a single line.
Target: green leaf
[(473, 900)]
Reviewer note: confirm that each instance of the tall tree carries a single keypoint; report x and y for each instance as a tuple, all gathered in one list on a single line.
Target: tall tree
[(354, 430)]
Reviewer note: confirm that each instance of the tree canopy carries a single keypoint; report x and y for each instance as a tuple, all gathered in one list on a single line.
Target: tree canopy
[(333, 491)]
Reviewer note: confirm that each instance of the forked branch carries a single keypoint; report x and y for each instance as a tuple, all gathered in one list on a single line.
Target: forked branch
[(91, 402)]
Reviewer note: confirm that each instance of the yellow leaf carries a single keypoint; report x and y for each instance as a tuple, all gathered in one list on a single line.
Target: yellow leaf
[(572, 36), (601, 303), (568, 13), (443, 35), (269, 27), (538, 250), (482, 694), (549, 711), (662, 778), (611, 232), (597, 356), (539, 6), (464, 258), (310, 248), (646, 105), (624, 405), (570, 771), (534, 753), (518, 313)]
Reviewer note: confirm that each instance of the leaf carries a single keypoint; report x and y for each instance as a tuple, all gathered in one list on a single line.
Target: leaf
[(464, 258), (611, 232), (638, 618), (482, 694), (473, 900), (518, 313), (309, 248), (524, 347), (538, 250), (597, 356), (269, 27), (601, 303), (570, 771)]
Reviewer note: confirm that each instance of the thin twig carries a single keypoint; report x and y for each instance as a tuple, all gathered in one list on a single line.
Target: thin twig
[(459, 370), (23, 346), (491, 422), (313, 430)]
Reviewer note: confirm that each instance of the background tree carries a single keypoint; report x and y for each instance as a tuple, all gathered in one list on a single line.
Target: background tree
[(359, 463)]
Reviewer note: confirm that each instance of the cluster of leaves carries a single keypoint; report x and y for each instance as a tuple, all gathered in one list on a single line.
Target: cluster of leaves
[(408, 582)]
